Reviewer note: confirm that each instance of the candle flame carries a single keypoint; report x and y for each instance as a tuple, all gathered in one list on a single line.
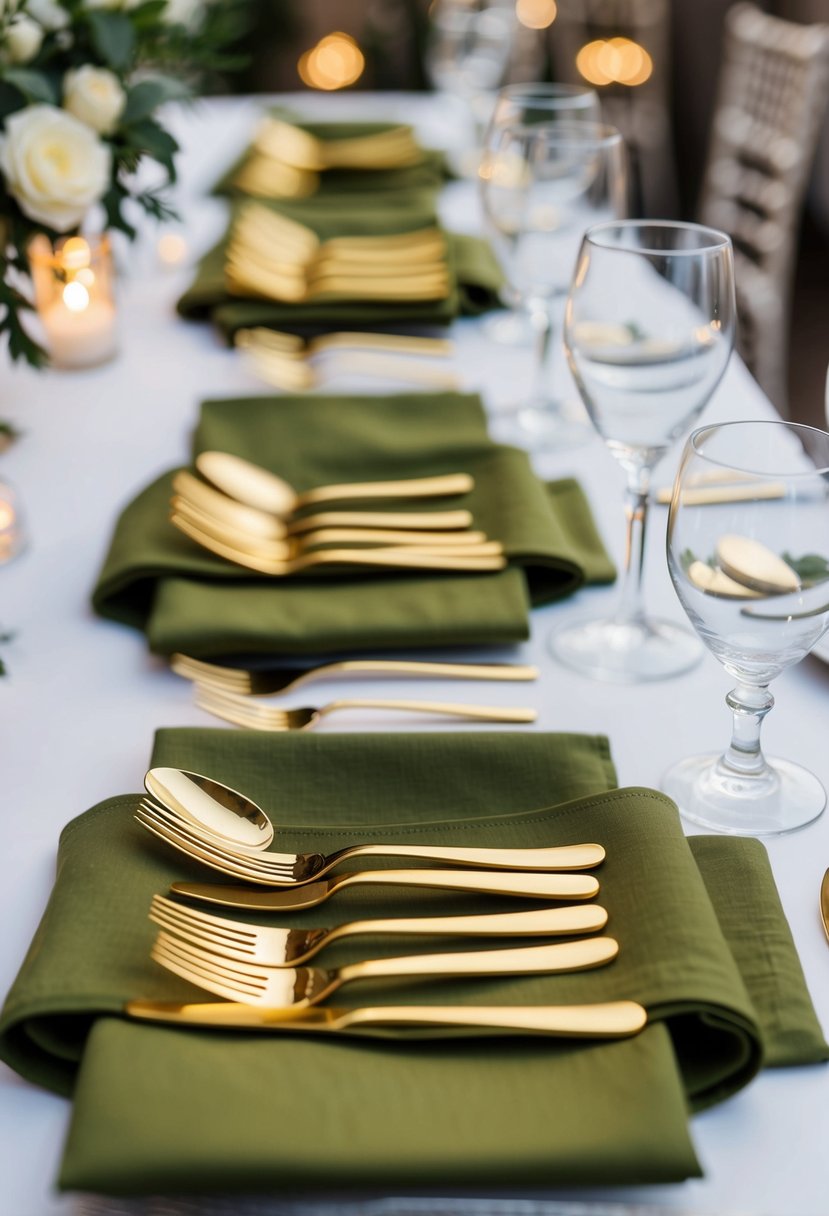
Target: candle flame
[(75, 296)]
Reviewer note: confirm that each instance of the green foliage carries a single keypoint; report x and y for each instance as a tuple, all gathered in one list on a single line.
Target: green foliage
[(155, 62), (34, 86), (113, 37), (810, 569)]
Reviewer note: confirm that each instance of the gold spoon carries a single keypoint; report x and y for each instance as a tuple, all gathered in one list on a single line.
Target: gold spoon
[(257, 487)]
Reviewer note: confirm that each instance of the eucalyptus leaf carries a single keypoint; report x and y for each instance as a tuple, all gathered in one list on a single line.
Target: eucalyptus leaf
[(113, 37), (35, 86), (146, 96), (810, 569), (147, 136)]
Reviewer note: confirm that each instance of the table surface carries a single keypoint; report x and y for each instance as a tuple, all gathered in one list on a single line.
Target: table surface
[(83, 696)]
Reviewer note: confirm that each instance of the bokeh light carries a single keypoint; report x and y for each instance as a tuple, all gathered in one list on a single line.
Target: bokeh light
[(614, 61), (536, 14), (334, 63)]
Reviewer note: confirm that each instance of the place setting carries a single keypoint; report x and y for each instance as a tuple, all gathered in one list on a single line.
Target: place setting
[(162, 962), (405, 868)]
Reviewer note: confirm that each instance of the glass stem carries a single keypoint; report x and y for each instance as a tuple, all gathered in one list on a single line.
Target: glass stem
[(631, 609), (749, 706), (541, 317)]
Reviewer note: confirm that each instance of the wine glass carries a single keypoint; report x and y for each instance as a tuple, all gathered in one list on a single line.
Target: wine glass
[(751, 569), (468, 51), (542, 184), (532, 103), (649, 328)]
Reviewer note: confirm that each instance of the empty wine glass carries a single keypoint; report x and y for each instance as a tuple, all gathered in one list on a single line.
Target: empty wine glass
[(542, 184), (531, 103), (751, 569), (468, 51), (649, 328)]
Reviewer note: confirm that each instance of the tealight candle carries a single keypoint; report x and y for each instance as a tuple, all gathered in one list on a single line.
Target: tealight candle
[(12, 535), (73, 291)]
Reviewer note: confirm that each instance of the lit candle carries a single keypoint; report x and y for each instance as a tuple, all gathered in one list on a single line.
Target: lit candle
[(12, 538), (75, 303), (80, 329)]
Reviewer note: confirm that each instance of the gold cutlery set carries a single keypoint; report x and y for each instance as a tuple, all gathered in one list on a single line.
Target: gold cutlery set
[(261, 972), (288, 363), (277, 258), (248, 516), (231, 693), (287, 161)]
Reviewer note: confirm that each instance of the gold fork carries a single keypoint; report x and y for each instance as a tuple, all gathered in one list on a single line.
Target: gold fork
[(608, 1020), (294, 869), (280, 947), (281, 988), (281, 679), (399, 558), (454, 544), (240, 710), (291, 374), (264, 523)]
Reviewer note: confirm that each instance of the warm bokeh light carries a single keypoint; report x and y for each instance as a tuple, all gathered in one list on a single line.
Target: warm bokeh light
[(614, 61), (75, 296), (334, 63), (536, 14), (75, 253), (171, 248)]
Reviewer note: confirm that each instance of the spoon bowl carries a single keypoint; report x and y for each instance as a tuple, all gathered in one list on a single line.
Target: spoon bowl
[(215, 809), (254, 486)]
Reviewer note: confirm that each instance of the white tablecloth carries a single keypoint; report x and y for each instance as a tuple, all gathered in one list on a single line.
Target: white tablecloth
[(83, 696)]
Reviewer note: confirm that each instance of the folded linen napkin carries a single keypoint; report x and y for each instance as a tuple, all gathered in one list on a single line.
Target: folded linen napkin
[(474, 273), (160, 1110), (187, 599), (428, 171)]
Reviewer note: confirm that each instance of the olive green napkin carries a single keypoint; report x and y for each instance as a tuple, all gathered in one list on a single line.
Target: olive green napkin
[(159, 1110), (429, 171), (186, 599), (474, 273)]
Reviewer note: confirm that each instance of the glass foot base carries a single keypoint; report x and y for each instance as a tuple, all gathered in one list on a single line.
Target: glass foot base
[(784, 797), (551, 428), (626, 654)]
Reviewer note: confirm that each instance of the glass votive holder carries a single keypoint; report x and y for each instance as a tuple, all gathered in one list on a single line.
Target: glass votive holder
[(74, 297), (12, 531)]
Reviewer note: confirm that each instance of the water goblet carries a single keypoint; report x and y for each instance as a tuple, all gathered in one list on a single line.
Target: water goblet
[(751, 570), (531, 102), (542, 184), (468, 51), (649, 329)]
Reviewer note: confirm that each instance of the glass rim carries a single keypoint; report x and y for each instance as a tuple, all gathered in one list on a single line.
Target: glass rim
[(718, 240), (695, 438), (574, 134), (547, 91)]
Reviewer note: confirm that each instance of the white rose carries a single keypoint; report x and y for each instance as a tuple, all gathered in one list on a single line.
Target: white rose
[(23, 39), (55, 166), (95, 96), (184, 12), (48, 13)]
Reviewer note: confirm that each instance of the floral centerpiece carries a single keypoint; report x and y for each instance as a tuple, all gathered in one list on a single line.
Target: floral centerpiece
[(81, 82)]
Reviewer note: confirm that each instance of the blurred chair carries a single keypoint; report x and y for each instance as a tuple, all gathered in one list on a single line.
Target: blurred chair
[(773, 92), (638, 103)]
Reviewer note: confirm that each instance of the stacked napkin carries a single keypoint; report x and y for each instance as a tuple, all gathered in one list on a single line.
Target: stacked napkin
[(352, 203), (158, 1109), (186, 599), (428, 171)]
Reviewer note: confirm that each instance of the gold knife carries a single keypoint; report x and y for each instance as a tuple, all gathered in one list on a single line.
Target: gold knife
[(611, 1020)]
